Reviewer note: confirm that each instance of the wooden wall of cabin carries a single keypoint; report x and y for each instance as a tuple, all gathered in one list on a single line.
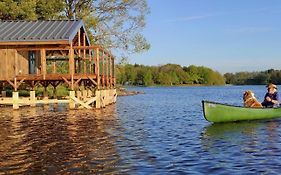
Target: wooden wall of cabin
[(15, 63)]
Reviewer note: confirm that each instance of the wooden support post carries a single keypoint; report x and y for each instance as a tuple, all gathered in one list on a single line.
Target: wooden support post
[(45, 93), (54, 67), (15, 100), (72, 82), (113, 72), (84, 53), (98, 99), (107, 71), (104, 95), (4, 94), (32, 85), (90, 61), (55, 92), (32, 98), (43, 63), (71, 101), (16, 63), (55, 85), (84, 94), (114, 91), (97, 68), (5, 62), (110, 72), (15, 83), (1, 86), (79, 53), (79, 43), (71, 60), (103, 69), (89, 93), (79, 94)]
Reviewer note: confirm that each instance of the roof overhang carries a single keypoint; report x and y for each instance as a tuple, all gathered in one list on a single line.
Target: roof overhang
[(11, 43)]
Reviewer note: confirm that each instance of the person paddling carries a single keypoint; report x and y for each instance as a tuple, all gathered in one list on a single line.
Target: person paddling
[(271, 97)]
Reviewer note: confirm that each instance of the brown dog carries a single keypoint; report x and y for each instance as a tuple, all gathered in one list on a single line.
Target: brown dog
[(250, 100)]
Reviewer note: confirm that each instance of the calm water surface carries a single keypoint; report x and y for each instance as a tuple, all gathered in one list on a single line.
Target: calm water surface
[(160, 132)]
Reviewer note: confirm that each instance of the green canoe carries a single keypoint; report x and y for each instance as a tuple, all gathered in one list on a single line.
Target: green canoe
[(217, 112)]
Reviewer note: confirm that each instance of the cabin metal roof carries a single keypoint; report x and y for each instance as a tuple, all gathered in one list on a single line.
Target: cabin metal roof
[(38, 31)]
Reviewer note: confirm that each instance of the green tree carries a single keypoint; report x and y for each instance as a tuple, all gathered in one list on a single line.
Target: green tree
[(18, 10), (130, 73), (120, 74), (148, 78), (49, 9), (115, 24)]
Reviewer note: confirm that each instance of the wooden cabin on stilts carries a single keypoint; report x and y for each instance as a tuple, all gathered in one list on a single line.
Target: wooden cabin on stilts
[(50, 54)]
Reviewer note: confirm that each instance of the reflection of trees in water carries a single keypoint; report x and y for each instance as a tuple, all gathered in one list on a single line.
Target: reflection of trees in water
[(58, 142)]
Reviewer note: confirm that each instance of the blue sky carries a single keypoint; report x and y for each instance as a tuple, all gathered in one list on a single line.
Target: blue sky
[(225, 35)]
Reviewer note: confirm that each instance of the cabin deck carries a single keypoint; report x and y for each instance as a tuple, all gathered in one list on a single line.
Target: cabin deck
[(28, 62)]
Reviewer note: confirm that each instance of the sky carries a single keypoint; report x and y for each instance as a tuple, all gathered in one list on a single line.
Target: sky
[(224, 35)]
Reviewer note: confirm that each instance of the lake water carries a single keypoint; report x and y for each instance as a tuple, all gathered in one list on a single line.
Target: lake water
[(160, 132)]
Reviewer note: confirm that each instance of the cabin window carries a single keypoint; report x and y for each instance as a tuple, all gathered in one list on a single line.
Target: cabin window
[(32, 62)]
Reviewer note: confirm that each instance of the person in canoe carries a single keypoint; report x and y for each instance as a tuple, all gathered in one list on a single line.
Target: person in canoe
[(271, 97)]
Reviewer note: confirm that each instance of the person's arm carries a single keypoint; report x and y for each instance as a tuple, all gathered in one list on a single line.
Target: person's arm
[(276, 100), (267, 98)]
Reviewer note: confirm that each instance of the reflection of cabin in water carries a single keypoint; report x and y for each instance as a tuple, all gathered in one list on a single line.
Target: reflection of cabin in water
[(53, 53)]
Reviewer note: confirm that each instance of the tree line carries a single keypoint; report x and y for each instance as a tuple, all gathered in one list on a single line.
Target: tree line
[(254, 78), (174, 74), (169, 74)]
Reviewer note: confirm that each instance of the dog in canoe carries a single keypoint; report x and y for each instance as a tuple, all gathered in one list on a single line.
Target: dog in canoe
[(250, 100)]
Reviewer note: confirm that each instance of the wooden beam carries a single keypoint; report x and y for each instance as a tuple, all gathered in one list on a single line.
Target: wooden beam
[(98, 67), (93, 81), (43, 63), (54, 67), (12, 84), (71, 60), (6, 61), (16, 63), (79, 43), (38, 48), (113, 72), (84, 53), (90, 60), (33, 42), (76, 82), (107, 70), (110, 71), (103, 68), (87, 106), (66, 81), (15, 84)]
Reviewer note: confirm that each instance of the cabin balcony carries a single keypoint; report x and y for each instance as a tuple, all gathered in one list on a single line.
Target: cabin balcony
[(79, 65)]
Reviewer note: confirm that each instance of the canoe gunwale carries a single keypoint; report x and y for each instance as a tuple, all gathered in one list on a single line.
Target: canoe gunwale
[(205, 101)]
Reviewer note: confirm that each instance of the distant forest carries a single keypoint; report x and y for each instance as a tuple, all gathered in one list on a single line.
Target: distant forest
[(169, 74), (253, 78), (173, 74)]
